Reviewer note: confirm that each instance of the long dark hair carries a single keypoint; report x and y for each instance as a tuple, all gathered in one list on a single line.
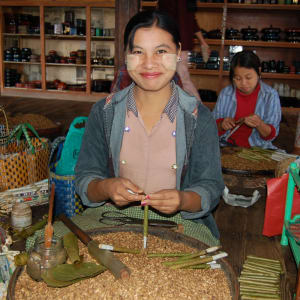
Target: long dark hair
[(147, 19), (247, 59)]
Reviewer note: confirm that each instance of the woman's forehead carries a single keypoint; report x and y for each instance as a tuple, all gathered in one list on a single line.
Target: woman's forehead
[(153, 35)]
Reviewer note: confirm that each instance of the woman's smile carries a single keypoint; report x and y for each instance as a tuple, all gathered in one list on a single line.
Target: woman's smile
[(151, 75)]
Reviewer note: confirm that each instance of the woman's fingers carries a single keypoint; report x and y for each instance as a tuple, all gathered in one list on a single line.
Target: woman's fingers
[(166, 201), (124, 191)]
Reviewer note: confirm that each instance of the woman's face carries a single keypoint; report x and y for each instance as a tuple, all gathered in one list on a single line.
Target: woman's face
[(152, 61), (245, 79)]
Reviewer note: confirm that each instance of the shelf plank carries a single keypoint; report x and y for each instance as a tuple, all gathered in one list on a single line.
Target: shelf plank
[(103, 66), (280, 76), (248, 6), (149, 4), (103, 38), (279, 44), (75, 3), (21, 62), (77, 37), (262, 44), (66, 65), (263, 75), (274, 75), (209, 5), (211, 106), (263, 6), (204, 72), (23, 35), (53, 94)]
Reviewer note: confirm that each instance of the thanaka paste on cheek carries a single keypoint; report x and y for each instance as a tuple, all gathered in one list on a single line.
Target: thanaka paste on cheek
[(169, 61), (132, 62)]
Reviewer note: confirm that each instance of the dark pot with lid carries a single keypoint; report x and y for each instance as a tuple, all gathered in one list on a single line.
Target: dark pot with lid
[(249, 30), (292, 34), (271, 30), (292, 30), (214, 34), (232, 34), (270, 37)]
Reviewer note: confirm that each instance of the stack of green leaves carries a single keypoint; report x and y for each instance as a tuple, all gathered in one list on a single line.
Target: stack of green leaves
[(67, 274), (260, 278)]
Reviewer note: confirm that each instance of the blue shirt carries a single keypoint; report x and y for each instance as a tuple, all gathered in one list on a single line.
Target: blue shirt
[(267, 108)]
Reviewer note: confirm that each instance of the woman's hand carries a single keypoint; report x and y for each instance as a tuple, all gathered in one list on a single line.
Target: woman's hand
[(172, 201), (165, 201), (253, 121), (120, 190), (227, 124)]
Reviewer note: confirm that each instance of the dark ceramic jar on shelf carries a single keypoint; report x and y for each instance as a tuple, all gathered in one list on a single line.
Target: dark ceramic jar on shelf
[(249, 34), (271, 34)]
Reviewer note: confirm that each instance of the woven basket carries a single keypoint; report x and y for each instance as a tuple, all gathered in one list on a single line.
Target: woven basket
[(66, 199), (23, 162), (4, 129)]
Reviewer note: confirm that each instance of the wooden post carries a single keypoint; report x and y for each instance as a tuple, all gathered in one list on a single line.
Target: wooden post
[(124, 10), (297, 137), (298, 285)]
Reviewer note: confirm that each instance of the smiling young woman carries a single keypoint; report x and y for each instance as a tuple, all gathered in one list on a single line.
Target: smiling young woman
[(151, 143)]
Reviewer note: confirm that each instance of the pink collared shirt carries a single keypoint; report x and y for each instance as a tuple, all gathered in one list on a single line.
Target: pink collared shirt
[(149, 160)]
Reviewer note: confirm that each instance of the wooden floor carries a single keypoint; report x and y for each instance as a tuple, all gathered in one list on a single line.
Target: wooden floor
[(240, 228)]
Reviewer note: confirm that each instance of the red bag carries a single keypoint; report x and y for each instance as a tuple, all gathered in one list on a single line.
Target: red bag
[(275, 205)]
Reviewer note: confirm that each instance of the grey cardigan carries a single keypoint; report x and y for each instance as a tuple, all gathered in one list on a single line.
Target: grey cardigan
[(197, 151)]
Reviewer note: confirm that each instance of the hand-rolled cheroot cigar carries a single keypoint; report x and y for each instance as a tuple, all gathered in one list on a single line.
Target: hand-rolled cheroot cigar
[(104, 257)]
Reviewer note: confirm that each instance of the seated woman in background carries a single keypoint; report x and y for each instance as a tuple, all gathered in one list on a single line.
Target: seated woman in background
[(248, 103), (151, 143)]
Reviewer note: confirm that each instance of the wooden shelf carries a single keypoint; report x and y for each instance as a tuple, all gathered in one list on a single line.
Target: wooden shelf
[(211, 106), (280, 76), (279, 44), (150, 3), (204, 72), (77, 37), (274, 75), (22, 35), (103, 38), (248, 6), (65, 65), (263, 6), (61, 3), (103, 66), (263, 75), (209, 5), (21, 63), (53, 94)]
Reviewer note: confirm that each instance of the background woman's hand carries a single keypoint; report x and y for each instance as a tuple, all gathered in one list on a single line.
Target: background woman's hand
[(253, 121), (165, 201), (117, 190), (227, 124)]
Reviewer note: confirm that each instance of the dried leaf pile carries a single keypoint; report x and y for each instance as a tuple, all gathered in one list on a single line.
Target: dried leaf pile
[(36, 120), (149, 279)]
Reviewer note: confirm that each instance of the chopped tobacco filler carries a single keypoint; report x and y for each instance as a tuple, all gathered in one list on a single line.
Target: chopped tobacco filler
[(149, 278)]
